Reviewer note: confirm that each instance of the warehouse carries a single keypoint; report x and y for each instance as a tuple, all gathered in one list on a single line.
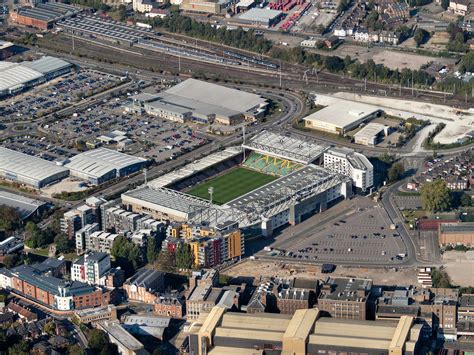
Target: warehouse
[(29, 170), (100, 165), (16, 77), (304, 332), (371, 134), (43, 16), (341, 117), (260, 17), (27, 207), (202, 102)]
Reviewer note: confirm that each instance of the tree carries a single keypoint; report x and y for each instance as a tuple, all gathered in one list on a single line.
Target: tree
[(97, 340), (467, 63), (10, 218), (440, 279), (435, 196), (126, 255), (63, 243), (20, 348), (445, 4), (152, 249), (420, 36), (465, 200), (395, 172), (166, 261), (184, 256), (50, 328), (75, 349)]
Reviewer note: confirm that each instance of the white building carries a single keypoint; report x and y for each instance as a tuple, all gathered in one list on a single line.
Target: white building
[(355, 165), (371, 134), (142, 5), (341, 117), (5, 278), (91, 268)]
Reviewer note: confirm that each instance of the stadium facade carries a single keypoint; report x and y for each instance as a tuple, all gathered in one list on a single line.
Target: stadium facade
[(299, 190)]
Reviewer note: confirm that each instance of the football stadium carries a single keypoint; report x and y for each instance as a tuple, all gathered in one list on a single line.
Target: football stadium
[(270, 181)]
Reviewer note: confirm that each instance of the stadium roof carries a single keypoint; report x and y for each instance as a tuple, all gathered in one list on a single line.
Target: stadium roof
[(47, 65), (20, 164), (260, 15), (167, 198), (302, 150), (342, 113), (194, 167), (217, 95), (26, 206), (101, 161)]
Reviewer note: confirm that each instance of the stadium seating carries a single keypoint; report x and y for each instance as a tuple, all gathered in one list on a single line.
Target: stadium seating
[(270, 165)]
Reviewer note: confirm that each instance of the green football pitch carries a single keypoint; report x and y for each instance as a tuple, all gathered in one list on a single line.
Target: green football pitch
[(231, 185)]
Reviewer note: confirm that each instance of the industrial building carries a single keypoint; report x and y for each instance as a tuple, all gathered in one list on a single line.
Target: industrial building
[(201, 102), (126, 343), (27, 207), (16, 77), (352, 164), (456, 233), (260, 17), (28, 170), (341, 117), (6, 49), (44, 15), (100, 165), (371, 134), (305, 332), (206, 6)]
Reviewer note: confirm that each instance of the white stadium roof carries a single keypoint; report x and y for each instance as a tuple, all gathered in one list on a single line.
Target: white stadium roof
[(33, 168), (302, 150), (99, 162), (194, 167)]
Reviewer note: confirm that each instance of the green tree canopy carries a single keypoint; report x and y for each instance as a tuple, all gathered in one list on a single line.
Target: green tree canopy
[(152, 249), (395, 172), (126, 255), (9, 218), (435, 196), (184, 257)]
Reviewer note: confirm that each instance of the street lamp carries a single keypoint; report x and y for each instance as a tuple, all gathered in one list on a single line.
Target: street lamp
[(210, 190)]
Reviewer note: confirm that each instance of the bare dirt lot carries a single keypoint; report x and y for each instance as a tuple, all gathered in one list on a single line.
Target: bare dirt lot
[(460, 267), (257, 268), (389, 58)]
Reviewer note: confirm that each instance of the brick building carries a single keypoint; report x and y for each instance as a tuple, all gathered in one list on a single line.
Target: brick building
[(144, 285), (345, 297), (456, 233), (170, 306)]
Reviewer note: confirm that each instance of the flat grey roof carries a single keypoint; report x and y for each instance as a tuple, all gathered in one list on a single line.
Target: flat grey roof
[(217, 95), (462, 227), (47, 64), (121, 335), (146, 320), (342, 113), (13, 75), (26, 206), (345, 289), (101, 161), (260, 15), (369, 131), (20, 164)]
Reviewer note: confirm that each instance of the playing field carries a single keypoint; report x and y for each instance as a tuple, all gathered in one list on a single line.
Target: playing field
[(231, 185)]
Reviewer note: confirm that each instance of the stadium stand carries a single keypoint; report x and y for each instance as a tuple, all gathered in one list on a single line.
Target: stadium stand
[(270, 165)]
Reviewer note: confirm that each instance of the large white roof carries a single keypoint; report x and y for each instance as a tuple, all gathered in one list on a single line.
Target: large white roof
[(13, 75), (47, 64), (217, 95), (99, 162), (25, 165), (342, 114)]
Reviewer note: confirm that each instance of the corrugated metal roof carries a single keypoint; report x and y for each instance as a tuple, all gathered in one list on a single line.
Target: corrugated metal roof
[(47, 65), (100, 162), (33, 168), (14, 75)]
